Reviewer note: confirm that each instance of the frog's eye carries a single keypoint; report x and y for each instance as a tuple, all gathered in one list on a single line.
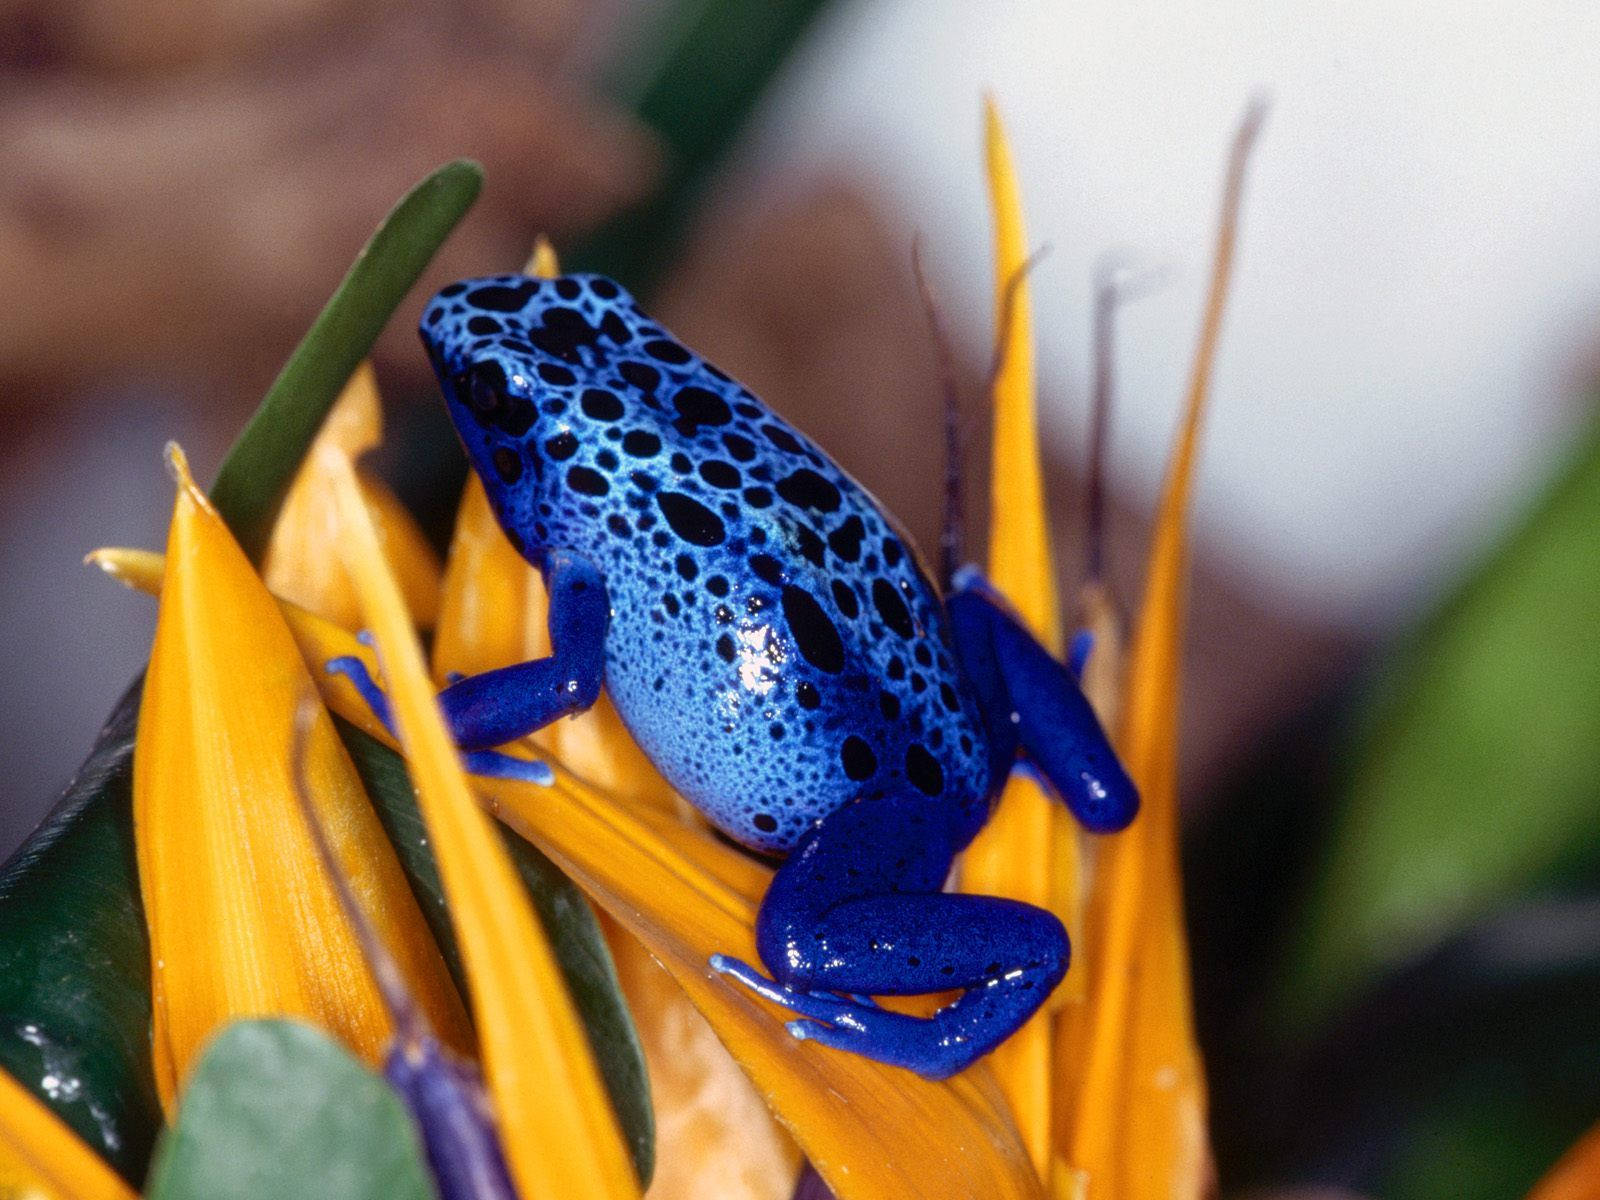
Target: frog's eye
[(482, 386)]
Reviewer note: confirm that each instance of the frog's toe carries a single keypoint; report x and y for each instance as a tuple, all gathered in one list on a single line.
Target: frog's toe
[(822, 1006), (919, 1045), (493, 764), (355, 670)]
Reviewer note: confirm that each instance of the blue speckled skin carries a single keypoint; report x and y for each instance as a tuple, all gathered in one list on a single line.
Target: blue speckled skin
[(772, 643)]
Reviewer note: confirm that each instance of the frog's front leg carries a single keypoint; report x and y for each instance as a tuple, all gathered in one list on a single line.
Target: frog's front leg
[(858, 909), (1031, 701), (511, 702)]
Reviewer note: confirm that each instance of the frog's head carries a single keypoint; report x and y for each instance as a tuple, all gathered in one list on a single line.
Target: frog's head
[(512, 352)]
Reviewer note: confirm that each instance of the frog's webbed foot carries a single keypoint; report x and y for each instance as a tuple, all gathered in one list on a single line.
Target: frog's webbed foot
[(492, 764), (849, 1022)]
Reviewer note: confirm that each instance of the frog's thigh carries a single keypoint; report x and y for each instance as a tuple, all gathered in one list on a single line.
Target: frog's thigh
[(502, 705), (857, 908)]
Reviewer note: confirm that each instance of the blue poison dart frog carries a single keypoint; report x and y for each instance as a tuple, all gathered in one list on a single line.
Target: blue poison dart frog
[(774, 646)]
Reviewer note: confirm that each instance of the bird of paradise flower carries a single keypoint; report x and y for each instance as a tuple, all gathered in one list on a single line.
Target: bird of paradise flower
[(1100, 1096)]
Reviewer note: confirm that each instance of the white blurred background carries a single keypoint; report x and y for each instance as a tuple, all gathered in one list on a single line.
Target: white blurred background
[(1416, 313)]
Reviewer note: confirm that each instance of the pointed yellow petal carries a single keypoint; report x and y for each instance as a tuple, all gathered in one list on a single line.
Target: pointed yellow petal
[(1102, 673), (243, 921), (542, 262), (1577, 1175), (319, 640), (872, 1131), (1019, 536), (406, 549), (556, 1123), (1029, 850), (137, 569), (1138, 1124), (41, 1159), (302, 561)]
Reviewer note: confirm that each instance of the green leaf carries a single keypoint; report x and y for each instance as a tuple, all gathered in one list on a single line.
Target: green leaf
[(258, 470), (574, 934), (1478, 772), (75, 960), (278, 1109)]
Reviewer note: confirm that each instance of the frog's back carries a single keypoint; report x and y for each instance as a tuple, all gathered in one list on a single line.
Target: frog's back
[(775, 647)]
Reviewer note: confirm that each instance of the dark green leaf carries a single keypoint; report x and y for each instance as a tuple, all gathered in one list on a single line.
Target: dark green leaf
[(278, 1109), (258, 470), (703, 66), (568, 920), (1479, 771), (75, 961)]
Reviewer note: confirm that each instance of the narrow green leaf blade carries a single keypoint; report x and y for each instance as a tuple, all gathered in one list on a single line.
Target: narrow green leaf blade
[(258, 470), (276, 1109), (75, 959), (1478, 774), (568, 920)]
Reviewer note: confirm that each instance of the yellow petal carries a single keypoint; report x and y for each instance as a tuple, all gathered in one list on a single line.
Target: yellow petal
[(1102, 673), (319, 640), (41, 1159), (302, 560), (243, 920), (542, 262), (140, 570), (1029, 850), (714, 1134), (556, 1123), (1577, 1175), (1137, 1127), (873, 1131)]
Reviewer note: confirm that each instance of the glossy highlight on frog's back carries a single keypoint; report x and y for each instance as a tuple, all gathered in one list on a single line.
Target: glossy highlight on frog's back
[(776, 648)]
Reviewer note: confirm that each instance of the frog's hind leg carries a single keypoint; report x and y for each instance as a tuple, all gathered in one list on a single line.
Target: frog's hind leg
[(502, 705), (857, 910)]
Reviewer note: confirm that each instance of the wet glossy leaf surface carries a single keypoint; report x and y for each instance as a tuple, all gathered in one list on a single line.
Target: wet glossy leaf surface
[(74, 959), (74, 956)]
